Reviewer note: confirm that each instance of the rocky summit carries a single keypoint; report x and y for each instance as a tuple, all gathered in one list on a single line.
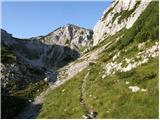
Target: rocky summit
[(70, 35), (72, 72)]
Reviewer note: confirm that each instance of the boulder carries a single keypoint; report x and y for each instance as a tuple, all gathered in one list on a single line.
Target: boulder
[(134, 88)]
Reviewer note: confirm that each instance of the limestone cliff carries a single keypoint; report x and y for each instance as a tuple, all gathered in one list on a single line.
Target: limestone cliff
[(121, 14), (70, 35)]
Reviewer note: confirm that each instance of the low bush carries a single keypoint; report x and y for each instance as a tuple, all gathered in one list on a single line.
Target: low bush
[(141, 31)]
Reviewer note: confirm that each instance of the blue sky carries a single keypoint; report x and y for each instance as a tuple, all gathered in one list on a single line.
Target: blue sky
[(28, 19)]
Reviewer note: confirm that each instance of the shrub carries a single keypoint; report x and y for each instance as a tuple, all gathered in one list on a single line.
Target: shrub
[(126, 13), (92, 63), (146, 27), (7, 56), (138, 78), (104, 57), (126, 74)]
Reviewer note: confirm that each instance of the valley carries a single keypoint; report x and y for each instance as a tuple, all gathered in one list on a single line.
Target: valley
[(110, 72)]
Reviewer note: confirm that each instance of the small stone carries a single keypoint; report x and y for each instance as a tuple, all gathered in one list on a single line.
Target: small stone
[(108, 110), (127, 82), (12, 65), (93, 114), (103, 76), (85, 117), (141, 45), (144, 90), (46, 79), (134, 88), (63, 90), (95, 97), (29, 100)]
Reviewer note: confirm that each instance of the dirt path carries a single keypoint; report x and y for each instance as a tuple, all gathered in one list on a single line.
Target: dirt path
[(65, 74), (89, 113), (82, 93)]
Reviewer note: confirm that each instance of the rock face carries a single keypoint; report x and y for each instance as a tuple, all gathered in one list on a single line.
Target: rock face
[(121, 14), (71, 35), (141, 58), (15, 75), (53, 50), (35, 53), (27, 60), (5, 35)]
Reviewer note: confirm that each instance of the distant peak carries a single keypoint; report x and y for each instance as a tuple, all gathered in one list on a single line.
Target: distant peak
[(71, 25)]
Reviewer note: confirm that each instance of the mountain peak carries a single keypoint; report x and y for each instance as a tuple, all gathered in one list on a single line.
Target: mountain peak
[(72, 25), (72, 35)]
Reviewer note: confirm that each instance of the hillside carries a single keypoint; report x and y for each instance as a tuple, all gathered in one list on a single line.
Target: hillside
[(28, 66), (73, 72), (123, 78)]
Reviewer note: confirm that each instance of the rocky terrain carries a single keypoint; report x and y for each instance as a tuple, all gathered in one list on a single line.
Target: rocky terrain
[(121, 14), (74, 72), (70, 35), (34, 62)]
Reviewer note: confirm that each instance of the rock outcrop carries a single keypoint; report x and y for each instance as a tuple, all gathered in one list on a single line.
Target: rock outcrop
[(53, 50), (25, 61), (121, 14), (140, 58), (70, 35), (35, 53)]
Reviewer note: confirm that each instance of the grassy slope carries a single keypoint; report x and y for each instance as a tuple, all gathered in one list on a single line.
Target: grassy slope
[(59, 104), (110, 97)]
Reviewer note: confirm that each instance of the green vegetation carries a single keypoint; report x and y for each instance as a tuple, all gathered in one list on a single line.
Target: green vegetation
[(111, 98), (64, 101), (31, 90), (15, 96), (109, 11), (145, 28), (148, 24), (105, 57), (7, 56), (125, 13), (15, 102), (115, 16), (28, 53), (109, 41)]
